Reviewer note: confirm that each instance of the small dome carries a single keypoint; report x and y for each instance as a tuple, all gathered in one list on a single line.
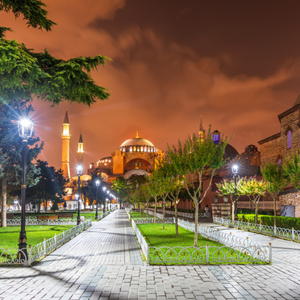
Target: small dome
[(250, 148), (230, 152)]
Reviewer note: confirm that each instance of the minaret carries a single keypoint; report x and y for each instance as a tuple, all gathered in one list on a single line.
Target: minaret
[(201, 130), (137, 135), (65, 163), (80, 150)]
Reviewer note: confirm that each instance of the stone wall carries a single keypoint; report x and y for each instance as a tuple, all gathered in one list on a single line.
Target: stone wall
[(291, 199)]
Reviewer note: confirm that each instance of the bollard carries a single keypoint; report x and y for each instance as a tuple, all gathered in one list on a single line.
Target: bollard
[(247, 241), (274, 230), (270, 253), (293, 234)]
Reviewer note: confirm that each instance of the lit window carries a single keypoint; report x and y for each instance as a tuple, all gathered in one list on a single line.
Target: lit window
[(289, 139), (279, 161), (141, 149), (134, 149), (130, 149)]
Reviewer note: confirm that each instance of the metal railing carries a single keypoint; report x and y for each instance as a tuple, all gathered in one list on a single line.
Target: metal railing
[(235, 249), (285, 233), (15, 256), (34, 221), (101, 216), (180, 213)]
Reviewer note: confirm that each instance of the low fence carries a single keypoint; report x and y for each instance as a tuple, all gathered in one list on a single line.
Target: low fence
[(285, 233), (34, 221), (180, 213), (15, 256), (101, 216), (235, 249)]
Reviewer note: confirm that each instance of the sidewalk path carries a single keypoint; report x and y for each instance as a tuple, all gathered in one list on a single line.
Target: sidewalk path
[(104, 262)]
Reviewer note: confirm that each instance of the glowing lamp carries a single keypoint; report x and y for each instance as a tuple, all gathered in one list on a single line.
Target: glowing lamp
[(25, 128), (235, 169), (79, 170)]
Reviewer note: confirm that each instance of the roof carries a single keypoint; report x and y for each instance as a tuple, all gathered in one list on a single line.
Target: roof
[(66, 120), (270, 138), (137, 142)]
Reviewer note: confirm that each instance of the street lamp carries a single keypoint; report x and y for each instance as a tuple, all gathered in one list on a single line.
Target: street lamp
[(235, 169), (97, 185), (25, 132), (79, 170), (104, 189)]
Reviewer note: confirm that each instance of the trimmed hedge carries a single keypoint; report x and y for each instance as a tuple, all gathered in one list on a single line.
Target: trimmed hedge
[(252, 211), (283, 222)]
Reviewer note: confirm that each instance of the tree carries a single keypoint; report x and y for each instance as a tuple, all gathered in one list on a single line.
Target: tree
[(25, 74), (50, 186), (11, 150), (254, 189), (119, 185), (291, 168), (276, 181), (195, 159), (227, 187)]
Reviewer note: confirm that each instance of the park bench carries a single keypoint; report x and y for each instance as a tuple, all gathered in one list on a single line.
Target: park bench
[(47, 217), (65, 215)]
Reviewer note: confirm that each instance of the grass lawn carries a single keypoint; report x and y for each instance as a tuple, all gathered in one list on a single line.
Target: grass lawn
[(157, 237), (9, 236), (136, 215)]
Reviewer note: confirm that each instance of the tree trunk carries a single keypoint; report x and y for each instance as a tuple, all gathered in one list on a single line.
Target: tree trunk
[(176, 219), (155, 204), (196, 223), (147, 211), (46, 206), (232, 213), (275, 212), (256, 212), (3, 196), (39, 206), (140, 208), (164, 211)]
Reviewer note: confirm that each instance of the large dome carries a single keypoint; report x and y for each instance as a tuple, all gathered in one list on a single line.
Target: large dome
[(137, 144)]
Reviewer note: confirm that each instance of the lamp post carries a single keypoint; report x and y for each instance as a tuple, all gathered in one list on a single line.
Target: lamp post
[(235, 170), (79, 170), (25, 132), (104, 189), (97, 185)]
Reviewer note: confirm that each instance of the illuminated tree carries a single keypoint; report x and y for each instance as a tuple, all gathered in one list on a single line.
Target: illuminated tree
[(254, 189), (227, 188), (276, 181), (196, 158), (291, 168)]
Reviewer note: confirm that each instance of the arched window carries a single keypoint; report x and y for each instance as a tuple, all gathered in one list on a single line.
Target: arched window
[(289, 139)]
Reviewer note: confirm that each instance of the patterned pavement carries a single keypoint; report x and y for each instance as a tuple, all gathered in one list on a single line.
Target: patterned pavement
[(104, 262)]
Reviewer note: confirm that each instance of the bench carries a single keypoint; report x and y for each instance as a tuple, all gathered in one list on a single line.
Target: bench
[(8, 216), (47, 217), (65, 215)]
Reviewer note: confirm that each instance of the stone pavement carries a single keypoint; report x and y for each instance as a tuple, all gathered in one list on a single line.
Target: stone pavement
[(104, 262)]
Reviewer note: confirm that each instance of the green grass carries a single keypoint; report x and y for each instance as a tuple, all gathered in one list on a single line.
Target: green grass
[(9, 236), (158, 237), (135, 215)]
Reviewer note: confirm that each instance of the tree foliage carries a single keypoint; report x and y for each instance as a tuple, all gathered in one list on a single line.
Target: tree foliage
[(195, 159), (276, 180)]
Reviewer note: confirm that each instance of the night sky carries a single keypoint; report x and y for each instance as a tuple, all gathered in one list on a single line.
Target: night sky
[(235, 62)]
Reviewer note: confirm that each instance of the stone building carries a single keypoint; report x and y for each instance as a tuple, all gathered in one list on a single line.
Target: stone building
[(134, 156), (280, 145)]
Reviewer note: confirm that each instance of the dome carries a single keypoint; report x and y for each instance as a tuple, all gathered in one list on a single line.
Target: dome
[(230, 152), (137, 144)]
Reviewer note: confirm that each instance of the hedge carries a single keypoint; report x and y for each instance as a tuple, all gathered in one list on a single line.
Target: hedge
[(283, 222)]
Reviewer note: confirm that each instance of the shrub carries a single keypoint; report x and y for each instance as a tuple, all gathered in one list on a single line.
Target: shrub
[(283, 222)]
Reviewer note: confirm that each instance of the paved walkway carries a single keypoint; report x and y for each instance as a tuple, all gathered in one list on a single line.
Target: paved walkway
[(104, 262)]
